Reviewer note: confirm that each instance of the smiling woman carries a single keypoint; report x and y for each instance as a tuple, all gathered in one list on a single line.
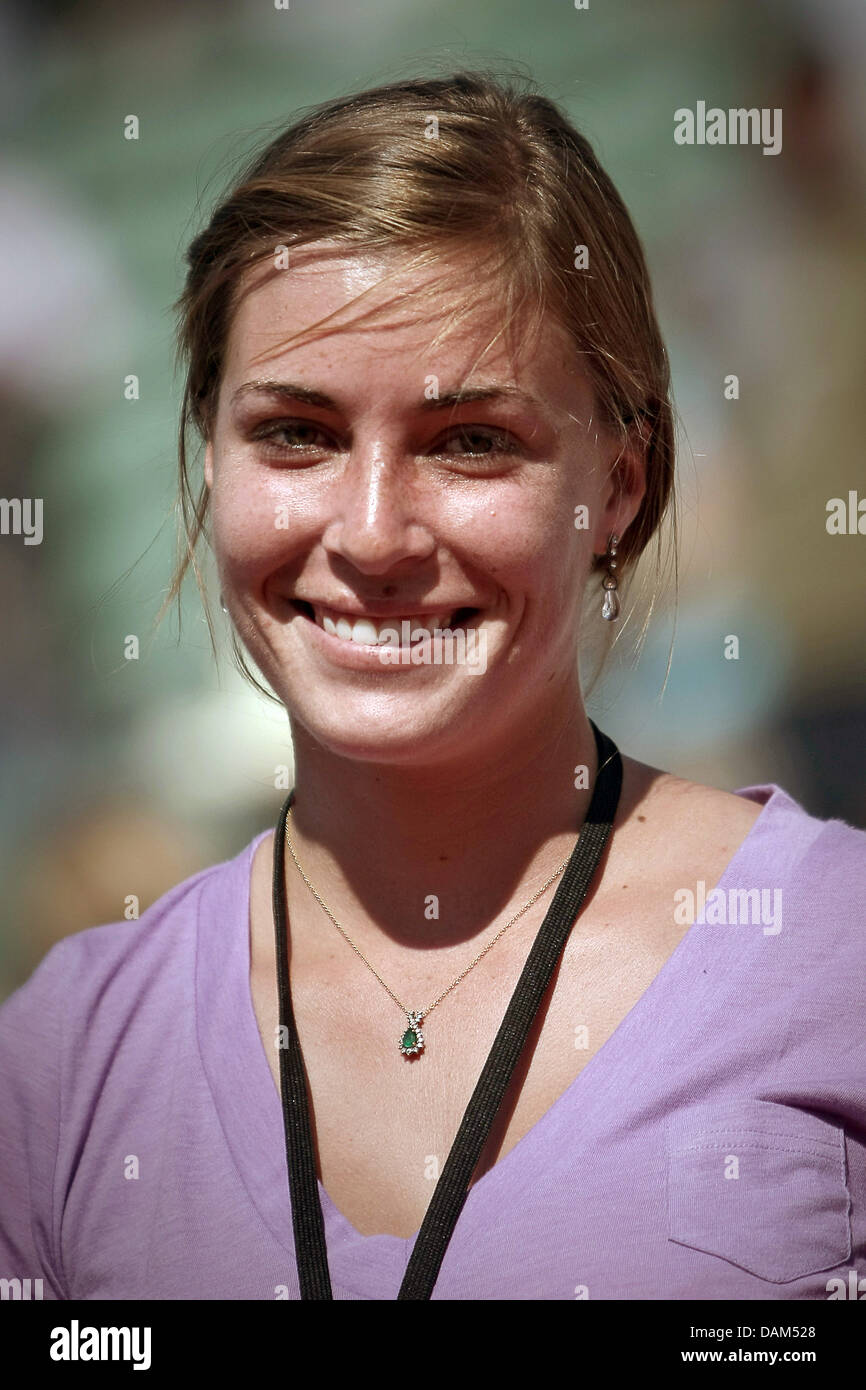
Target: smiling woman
[(423, 362)]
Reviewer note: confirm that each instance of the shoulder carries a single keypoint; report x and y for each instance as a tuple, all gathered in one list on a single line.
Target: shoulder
[(103, 973), (672, 822), (88, 962), (779, 833), (758, 830), (695, 812), (765, 840)]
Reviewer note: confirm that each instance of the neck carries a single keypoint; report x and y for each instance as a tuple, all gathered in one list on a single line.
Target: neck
[(378, 841)]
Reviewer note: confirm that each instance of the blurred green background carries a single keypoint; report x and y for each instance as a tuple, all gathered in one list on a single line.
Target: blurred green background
[(123, 777)]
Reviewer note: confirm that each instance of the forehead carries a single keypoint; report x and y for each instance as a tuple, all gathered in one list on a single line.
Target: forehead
[(405, 317)]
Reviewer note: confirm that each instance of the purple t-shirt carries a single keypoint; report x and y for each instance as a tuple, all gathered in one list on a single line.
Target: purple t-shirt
[(714, 1147)]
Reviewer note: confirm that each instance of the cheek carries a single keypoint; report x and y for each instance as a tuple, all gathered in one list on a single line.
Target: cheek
[(527, 540), (248, 517)]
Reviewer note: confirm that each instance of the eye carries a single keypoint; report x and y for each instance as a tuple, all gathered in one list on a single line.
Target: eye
[(305, 434), (284, 438), (493, 442)]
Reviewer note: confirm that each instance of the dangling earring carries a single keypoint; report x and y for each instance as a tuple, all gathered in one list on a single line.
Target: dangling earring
[(610, 606), (223, 603)]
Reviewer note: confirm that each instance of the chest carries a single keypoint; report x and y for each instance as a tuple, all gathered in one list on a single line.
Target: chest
[(384, 1124)]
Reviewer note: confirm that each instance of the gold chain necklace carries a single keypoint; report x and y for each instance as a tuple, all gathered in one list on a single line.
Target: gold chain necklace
[(412, 1040)]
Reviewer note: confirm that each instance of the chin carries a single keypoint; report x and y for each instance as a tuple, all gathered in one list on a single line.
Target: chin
[(400, 729)]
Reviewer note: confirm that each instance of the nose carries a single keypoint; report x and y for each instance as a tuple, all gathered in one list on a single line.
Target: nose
[(376, 510)]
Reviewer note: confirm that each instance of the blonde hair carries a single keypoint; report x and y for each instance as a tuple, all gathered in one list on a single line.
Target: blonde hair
[(505, 170)]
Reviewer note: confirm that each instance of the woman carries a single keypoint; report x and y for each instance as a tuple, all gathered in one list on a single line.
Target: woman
[(423, 360)]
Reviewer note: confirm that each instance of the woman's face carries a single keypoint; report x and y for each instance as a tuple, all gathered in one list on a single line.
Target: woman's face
[(351, 495)]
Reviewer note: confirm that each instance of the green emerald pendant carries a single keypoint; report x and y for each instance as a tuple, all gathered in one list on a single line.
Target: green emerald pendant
[(412, 1041)]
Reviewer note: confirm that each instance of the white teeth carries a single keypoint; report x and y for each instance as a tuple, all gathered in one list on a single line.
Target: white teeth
[(364, 632), (371, 632)]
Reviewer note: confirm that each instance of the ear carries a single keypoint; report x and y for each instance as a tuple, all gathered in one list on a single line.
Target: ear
[(624, 489), (208, 464)]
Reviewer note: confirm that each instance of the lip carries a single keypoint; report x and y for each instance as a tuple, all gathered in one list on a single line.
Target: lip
[(380, 613), (363, 656)]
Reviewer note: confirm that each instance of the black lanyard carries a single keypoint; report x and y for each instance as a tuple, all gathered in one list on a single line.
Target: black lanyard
[(452, 1187)]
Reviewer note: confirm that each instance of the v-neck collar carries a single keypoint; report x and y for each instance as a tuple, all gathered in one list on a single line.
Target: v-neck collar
[(248, 1103)]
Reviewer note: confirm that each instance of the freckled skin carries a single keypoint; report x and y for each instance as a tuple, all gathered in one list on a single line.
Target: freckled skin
[(374, 511)]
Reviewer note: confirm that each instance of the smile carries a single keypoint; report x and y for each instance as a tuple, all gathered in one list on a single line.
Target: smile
[(367, 631)]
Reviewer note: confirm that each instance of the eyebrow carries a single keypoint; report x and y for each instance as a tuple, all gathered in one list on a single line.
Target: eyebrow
[(296, 391)]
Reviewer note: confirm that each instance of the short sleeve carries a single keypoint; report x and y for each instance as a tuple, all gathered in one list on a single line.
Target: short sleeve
[(31, 1051)]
